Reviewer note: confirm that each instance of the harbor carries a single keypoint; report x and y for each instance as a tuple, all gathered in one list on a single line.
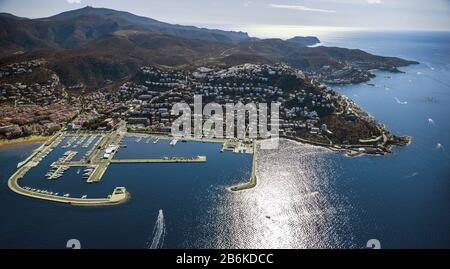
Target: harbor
[(150, 187), (118, 195), (92, 154)]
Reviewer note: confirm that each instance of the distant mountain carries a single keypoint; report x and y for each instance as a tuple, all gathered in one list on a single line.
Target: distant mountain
[(92, 45), (119, 55), (11, 16), (77, 27), (26, 34), (314, 58), (304, 40), (126, 20)]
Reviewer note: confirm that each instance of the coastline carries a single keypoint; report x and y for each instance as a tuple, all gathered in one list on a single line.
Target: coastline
[(23, 140), (349, 150), (352, 150)]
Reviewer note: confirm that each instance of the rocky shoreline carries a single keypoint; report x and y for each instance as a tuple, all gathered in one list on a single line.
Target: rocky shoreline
[(358, 150)]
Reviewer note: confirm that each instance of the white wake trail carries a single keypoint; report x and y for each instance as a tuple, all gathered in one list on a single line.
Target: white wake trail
[(159, 232), (429, 66), (412, 175), (400, 102), (439, 146)]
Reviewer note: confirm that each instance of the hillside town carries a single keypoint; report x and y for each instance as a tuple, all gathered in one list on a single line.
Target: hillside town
[(33, 101)]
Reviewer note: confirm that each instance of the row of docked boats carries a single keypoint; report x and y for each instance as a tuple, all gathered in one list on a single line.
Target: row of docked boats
[(45, 191), (148, 140), (56, 169), (70, 142), (79, 141), (51, 193), (76, 141), (56, 172), (89, 141), (87, 172)]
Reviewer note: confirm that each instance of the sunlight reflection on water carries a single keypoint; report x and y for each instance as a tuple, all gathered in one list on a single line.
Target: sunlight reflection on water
[(293, 205)]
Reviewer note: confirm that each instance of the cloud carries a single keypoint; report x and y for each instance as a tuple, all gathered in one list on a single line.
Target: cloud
[(74, 1), (374, 1), (247, 3), (302, 8)]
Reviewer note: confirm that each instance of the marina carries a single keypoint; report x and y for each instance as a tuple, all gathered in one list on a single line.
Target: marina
[(150, 187), (97, 157)]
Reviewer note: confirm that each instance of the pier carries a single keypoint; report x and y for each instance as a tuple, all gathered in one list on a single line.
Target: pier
[(98, 173), (252, 181), (119, 194), (42, 150)]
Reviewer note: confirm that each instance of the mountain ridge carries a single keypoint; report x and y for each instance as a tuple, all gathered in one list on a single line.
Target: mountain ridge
[(82, 25), (93, 45)]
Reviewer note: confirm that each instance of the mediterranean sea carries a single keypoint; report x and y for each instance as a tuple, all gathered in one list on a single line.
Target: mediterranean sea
[(306, 196)]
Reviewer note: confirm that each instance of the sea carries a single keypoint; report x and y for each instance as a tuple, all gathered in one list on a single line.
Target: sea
[(306, 196)]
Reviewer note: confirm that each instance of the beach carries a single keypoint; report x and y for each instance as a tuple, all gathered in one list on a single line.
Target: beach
[(22, 140)]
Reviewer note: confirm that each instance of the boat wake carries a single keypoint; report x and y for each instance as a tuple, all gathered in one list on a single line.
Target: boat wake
[(429, 66), (412, 175), (156, 241), (400, 102)]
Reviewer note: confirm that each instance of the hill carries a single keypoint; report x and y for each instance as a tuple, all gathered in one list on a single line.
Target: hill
[(77, 27), (95, 46), (304, 40)]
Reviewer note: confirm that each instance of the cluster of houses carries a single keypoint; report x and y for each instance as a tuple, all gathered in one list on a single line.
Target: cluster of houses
[(303, 102), (146, 101), (20, 68), (32, 100), (34, 119), (345, 74), (44, 92)]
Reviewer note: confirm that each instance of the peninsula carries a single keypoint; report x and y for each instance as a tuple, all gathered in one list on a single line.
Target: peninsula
[(134, 69)]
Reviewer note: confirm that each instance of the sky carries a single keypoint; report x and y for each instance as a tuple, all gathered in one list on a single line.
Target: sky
[(266, 18)]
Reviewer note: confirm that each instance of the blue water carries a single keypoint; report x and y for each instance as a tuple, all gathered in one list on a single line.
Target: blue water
[(184, 192), (406, 195), (306, 197)]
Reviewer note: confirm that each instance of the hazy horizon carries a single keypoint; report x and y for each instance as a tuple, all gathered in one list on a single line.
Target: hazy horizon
[(266, 19)]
